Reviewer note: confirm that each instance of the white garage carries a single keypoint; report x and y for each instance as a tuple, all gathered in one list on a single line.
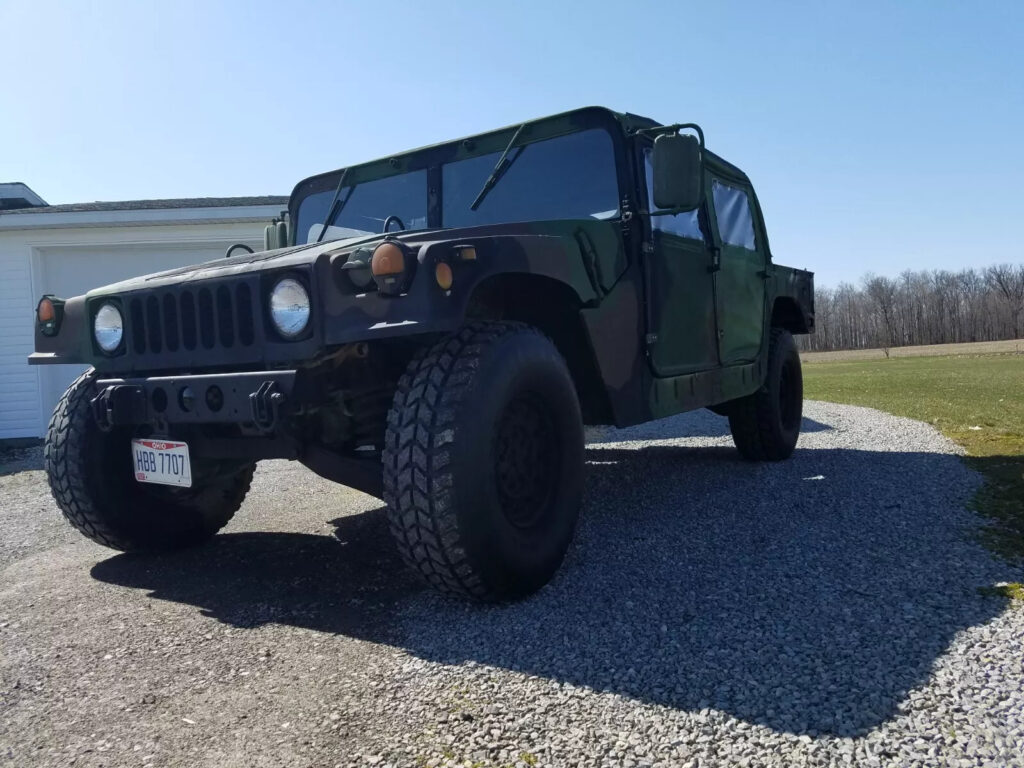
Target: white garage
[(67, 250)]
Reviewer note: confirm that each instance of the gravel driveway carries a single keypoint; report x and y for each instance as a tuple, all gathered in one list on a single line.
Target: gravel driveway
[(822, 611)]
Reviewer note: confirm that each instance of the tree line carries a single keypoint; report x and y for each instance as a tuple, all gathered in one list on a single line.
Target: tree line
[(937, 307)]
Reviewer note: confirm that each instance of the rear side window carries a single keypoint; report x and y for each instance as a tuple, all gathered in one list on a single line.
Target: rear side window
[(732, 211)]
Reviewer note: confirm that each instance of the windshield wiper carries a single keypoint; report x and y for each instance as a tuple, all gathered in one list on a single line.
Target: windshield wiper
[(504, 163), (336, 205)]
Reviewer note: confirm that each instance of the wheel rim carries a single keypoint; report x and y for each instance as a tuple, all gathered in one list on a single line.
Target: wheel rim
[(526, 461), (789, 400)]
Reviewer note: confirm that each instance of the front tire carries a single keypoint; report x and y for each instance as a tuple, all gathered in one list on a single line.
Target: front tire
[(91, 478), (766, 425), (483, 462)]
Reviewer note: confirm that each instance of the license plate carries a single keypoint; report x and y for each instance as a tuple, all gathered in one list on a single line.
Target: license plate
[(161, 461)]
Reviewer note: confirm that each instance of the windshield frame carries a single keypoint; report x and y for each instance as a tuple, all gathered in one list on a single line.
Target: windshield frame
[(432, 158)]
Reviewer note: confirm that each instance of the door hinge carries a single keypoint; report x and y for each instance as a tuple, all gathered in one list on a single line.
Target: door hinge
[(647, 248), (651, 339)]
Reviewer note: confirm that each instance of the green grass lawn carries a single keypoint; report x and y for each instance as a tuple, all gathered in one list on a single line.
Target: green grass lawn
[(977, 400)]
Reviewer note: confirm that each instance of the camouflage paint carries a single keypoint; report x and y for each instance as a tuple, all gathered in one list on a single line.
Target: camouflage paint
[(739, 284), (650, 313), (682, 301)]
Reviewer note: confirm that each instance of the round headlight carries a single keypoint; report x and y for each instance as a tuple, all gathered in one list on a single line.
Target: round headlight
[(108, 329), (289, 307)]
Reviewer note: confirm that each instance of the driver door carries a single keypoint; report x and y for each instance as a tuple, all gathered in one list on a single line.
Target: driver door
[(682, 334)]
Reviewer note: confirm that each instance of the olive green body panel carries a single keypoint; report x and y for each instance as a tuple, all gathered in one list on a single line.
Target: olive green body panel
[(682, 306), (792, 291), (615, 329), (740, 274), (559, 251), (602, 251), (740, 288), (675, 394)]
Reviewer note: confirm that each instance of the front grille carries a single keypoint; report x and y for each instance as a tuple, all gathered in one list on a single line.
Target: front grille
[(190, 319)]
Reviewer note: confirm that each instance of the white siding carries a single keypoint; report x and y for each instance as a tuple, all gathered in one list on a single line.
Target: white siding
[(70, 261), (19, 384)]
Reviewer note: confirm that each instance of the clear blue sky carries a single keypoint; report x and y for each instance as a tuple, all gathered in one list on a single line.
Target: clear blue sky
[(880, 135)]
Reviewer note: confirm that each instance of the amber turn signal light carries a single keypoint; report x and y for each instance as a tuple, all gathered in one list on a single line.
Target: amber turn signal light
[(45, 312), (388, 259), (392, 267), (50, 314), (443, 275)]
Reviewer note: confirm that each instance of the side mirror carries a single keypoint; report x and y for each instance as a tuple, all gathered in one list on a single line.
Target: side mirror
[(276, 234), (678, 176)]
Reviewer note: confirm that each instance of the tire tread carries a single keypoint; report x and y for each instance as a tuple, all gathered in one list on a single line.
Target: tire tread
[(417, 473), (751, 417), (64, 456)]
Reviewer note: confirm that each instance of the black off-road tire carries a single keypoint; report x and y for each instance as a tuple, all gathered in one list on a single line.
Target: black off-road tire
[(483, 462), (91, 477), (766, 425)]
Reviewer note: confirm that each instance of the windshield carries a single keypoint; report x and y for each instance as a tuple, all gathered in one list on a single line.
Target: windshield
[(566, 177), (404, 196)]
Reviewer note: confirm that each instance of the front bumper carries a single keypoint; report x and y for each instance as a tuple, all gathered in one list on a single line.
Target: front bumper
[(256, 398)]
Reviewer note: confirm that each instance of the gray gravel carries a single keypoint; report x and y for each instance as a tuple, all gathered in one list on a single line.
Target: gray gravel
[(823, 611)]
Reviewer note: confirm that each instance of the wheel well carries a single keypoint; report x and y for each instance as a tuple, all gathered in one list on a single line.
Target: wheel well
[(554, 308), (786, 314)]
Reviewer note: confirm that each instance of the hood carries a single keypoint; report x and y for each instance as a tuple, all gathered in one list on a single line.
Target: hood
[(248, 262), (299, 255)]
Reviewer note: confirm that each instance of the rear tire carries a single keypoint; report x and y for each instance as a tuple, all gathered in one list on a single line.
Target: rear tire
[(483, 462), (91, 477), (766, 425)]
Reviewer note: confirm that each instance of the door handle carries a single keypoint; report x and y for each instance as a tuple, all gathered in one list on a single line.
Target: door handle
[(716, 260)]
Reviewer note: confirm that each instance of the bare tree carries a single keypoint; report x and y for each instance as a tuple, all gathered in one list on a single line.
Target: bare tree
[(1008, 281), (882, 292), (921, 308)]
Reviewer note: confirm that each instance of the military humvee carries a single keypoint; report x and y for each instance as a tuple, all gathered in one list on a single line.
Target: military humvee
[(435, 328)]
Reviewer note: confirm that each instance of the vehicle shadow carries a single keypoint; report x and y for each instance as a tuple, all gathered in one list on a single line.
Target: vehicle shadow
[(349, 583), (808, 596), (15, 459), (700, 423)]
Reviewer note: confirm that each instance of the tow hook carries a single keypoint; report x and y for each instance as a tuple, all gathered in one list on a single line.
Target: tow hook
[(119, 404), (265, 404)]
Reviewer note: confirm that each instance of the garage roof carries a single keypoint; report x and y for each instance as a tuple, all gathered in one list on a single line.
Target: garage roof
[(141, 205), (181, 210)]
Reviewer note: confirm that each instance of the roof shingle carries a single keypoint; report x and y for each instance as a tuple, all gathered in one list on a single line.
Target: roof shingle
[(141, 205)]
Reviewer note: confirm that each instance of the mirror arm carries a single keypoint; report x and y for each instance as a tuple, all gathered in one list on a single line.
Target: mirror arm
[(676, 128)]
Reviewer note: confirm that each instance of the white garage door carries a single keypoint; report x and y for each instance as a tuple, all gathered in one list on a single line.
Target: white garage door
[(72, 271)]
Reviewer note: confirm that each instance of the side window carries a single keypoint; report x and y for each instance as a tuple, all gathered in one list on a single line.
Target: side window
[(732, 211), (681, 224)]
